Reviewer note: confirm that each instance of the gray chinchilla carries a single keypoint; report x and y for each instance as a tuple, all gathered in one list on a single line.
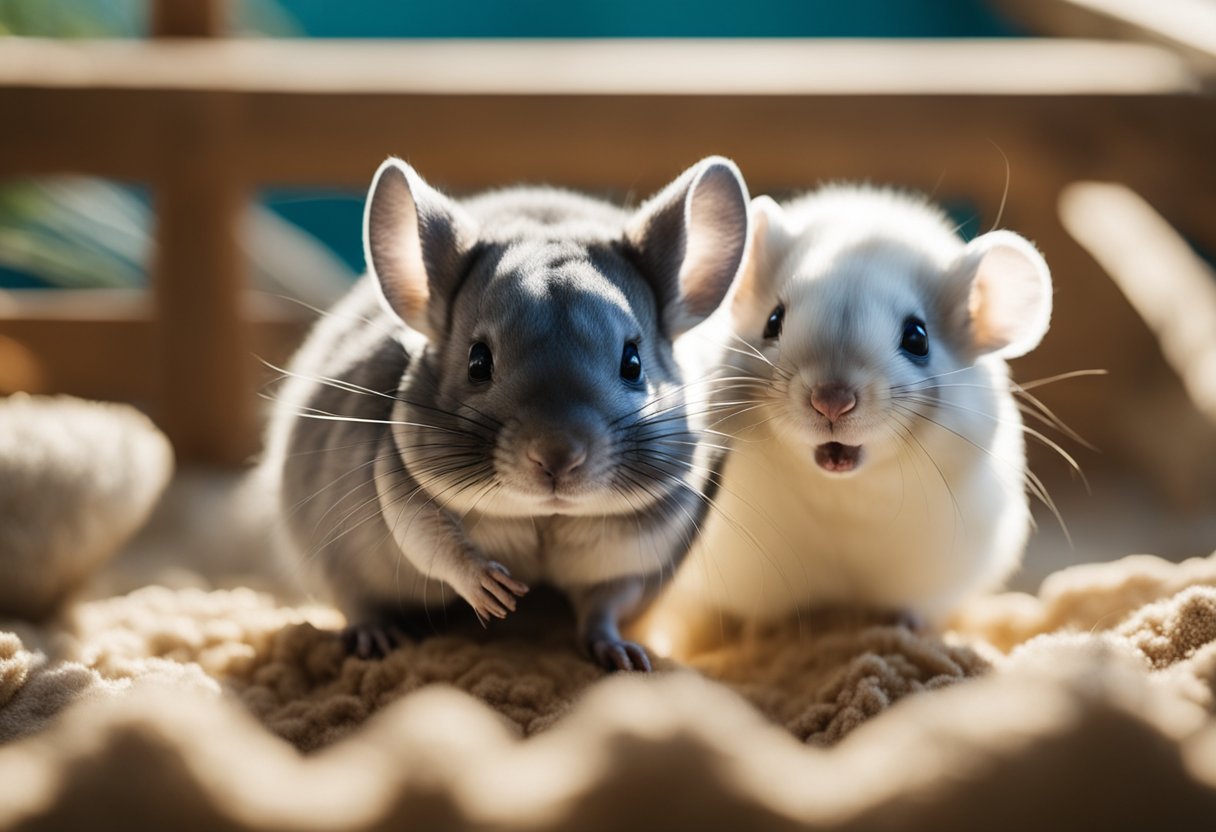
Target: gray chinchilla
[(498, 404)]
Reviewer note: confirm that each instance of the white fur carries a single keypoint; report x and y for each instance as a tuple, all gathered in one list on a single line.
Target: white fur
[(934, 511)]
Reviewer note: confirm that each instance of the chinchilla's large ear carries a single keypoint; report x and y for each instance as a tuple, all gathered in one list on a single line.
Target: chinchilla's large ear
[(1007, 293), (414, 239), (772, 237), (690, 238)]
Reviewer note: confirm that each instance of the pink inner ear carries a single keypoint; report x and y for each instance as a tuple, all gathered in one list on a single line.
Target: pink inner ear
[(1010, 301), (716, 224), (404, 279), (394, 249), (772, 236)]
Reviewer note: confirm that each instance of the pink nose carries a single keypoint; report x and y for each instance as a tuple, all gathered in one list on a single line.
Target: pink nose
[(833, 400), (556, 457)]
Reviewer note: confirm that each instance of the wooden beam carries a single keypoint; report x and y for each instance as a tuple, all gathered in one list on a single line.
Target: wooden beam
[(94, 344), (197, 117), (202, 338), (1166, 418), (1095, 326), (606, 67), (629, 145), (1172, 289), (472, 115), (188, 18), (103, 343), (1186, 26)]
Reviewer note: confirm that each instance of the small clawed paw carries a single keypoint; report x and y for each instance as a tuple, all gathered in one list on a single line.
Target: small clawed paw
[(495, 592), (620, 655), (370, 641), (914, 622)]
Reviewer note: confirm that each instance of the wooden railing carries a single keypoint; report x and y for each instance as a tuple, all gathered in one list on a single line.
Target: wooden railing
[(1187, 27), (206, 121)]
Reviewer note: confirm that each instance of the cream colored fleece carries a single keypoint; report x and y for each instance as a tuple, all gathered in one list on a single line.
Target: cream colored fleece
[(1103, 712), (1089, 705)]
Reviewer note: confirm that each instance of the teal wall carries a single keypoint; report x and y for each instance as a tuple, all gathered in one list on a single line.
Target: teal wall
[(647, 18), (324, 214), (334, 215)]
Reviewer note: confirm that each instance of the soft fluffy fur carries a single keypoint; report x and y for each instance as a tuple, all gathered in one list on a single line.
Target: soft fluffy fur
[(411, 484), (937, 506)]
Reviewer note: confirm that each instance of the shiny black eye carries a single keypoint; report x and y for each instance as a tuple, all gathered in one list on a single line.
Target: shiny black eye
[(915, 341), (481, 363), (631, 363), (776, 318)]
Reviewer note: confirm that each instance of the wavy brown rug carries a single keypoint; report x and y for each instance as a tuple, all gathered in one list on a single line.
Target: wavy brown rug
[(1088, 706), (191, 708)]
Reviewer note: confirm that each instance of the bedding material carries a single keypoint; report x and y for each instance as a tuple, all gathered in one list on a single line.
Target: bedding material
[(1089, 704)]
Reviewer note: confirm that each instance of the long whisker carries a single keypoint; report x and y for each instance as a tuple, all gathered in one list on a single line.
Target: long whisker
[(331, 313), (1029, 431), (306, 412), (340, 384), (733, 522), (1039, 382), (1037, 487), (1004, 194), (736, 382), (1041, 414), (1034, 407), (945, 481), (349, 387), (924, 381), (753, 352)]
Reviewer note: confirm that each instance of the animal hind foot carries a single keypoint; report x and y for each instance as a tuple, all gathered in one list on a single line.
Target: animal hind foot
[(371, 641), (618, 654)]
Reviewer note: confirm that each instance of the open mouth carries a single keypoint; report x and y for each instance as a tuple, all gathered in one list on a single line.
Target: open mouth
[(836, 457)]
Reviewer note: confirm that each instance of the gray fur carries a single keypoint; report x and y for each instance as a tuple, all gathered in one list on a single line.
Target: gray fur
[(439, 485)]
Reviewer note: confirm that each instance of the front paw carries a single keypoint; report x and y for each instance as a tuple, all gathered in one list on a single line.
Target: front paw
[(618, 654), (491, 591)]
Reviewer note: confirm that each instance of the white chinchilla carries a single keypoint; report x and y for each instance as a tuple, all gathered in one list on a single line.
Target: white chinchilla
[(877, 458)]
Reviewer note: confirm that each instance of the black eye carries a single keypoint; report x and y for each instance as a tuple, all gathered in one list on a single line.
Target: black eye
[(631, 363), (915, 341), (772, 329), (481, 363)]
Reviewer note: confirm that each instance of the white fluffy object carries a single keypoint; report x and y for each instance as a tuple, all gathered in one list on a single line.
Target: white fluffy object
[(77, 479)]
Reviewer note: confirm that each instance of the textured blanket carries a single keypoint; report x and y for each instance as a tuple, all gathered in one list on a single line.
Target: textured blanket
[(1089, 705)]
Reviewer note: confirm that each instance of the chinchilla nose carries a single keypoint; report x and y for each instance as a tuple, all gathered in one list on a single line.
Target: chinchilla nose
[(556, 455), (833, 400)]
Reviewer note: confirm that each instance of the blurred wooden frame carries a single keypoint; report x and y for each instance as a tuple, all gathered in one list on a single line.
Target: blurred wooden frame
[(207, 121), (1187, 27)]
